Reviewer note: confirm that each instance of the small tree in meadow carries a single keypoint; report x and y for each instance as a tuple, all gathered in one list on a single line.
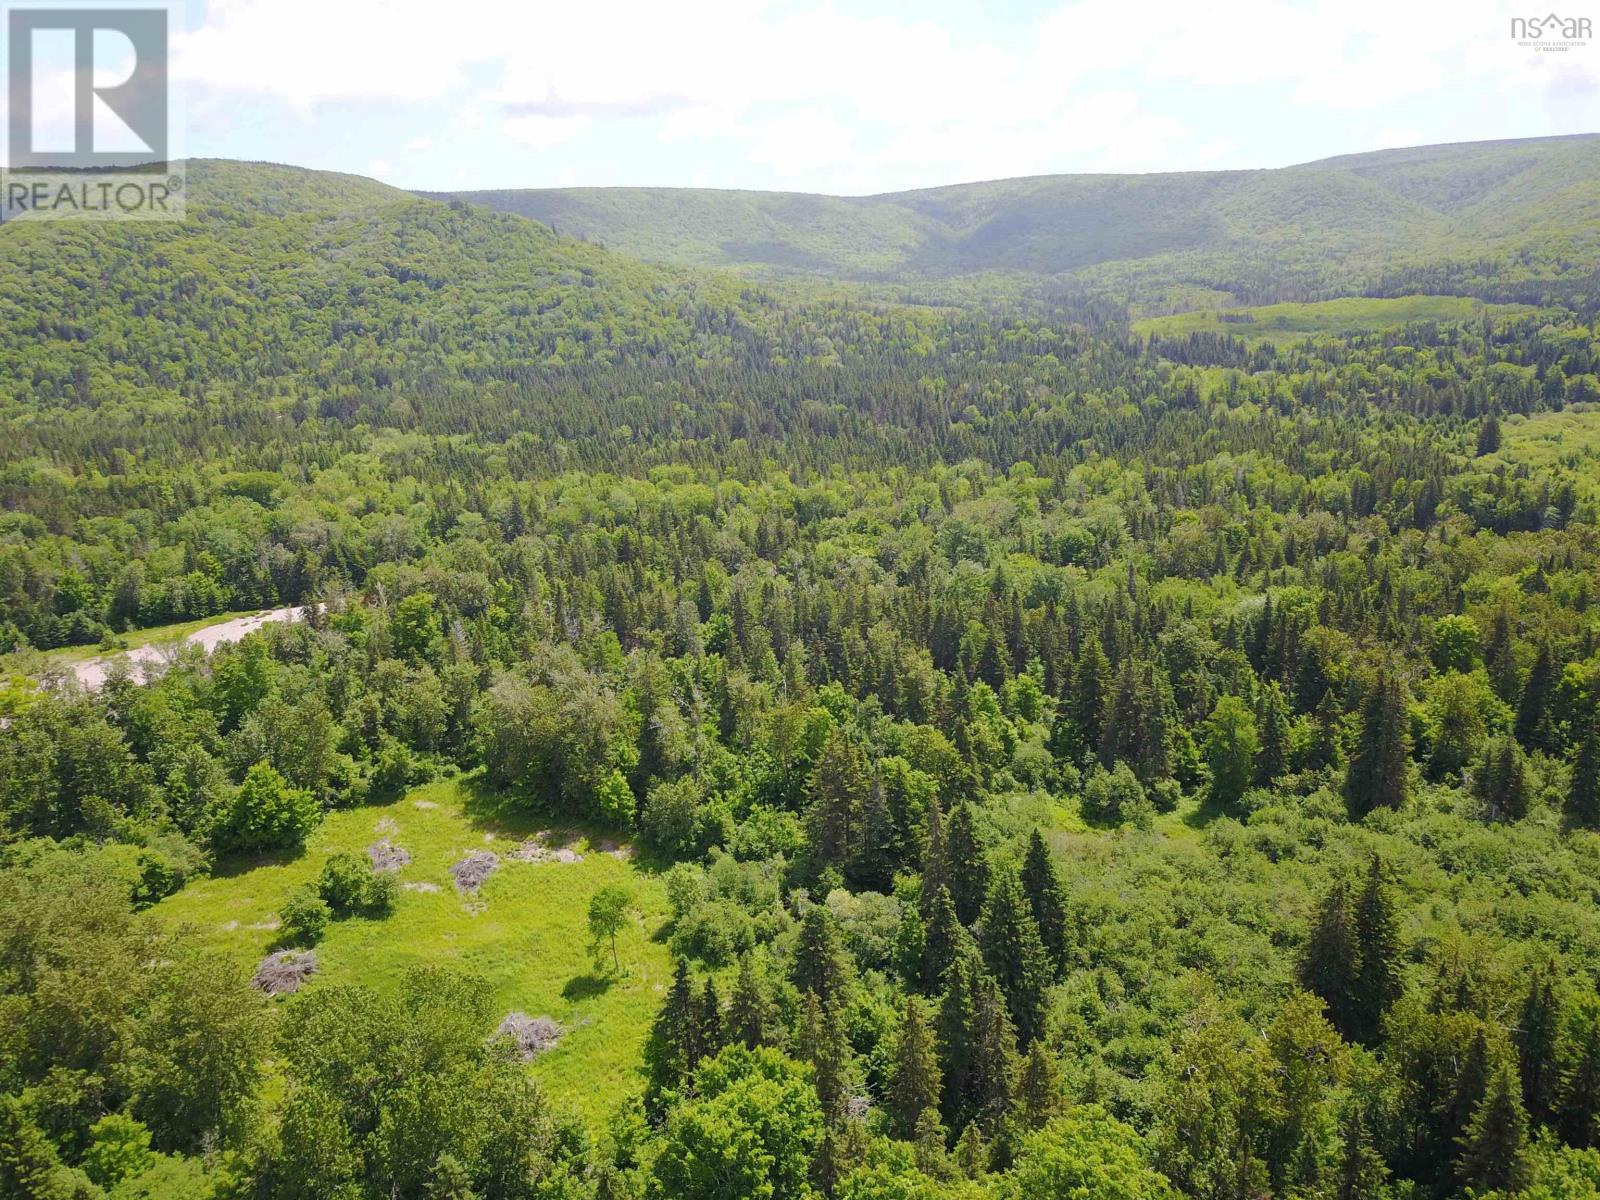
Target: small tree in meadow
[(608, 912)]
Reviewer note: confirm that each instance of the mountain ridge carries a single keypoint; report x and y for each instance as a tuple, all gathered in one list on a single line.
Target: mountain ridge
[(1313, 230)]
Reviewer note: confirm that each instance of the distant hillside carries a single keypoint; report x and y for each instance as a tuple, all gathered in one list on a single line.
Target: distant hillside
[(1506, 220), (341, 285)]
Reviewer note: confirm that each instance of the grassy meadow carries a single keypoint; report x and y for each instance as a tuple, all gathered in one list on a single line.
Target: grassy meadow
[(525, 930), (1280, 323)]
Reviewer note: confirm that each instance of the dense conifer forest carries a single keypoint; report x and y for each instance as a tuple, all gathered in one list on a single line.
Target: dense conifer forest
[(1077, 757)]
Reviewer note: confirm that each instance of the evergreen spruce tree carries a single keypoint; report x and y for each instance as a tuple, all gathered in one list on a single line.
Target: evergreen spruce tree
[(969, 868), (914, 1076), (1326, 749), (1457, 1107), (1499, 658), (1039, 1090), (1048, 900), (1376, 777), (1377, 983), (839, 785), (1091, 682), (1489, 435), (1272, 726), (1362, 1171), (1331, 958), (935, 860), (820, 963), (943, 941), (833, 1063), (709, 1031), (1009, 939), (1534, 728), (750, 1018), (929, 1144), (673, 1049), (1536, 1033), (989, 1093), (958, 1050), (1500, 783), (1583, 790), (1494, 1145), (1578, 1105)]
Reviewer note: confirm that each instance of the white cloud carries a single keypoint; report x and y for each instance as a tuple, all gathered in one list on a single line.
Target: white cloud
[(541, 133), (814, 95)]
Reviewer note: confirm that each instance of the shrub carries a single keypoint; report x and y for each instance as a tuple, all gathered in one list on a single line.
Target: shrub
[(343, 882), (304, 917), (265, 813), (614, 802), (350, 885), (715, 933), (1117, 797)]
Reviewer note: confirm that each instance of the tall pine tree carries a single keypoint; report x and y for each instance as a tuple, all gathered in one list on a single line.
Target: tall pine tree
[(1048, 900), (1376, 777)]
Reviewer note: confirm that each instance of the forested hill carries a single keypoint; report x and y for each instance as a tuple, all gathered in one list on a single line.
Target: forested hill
[(305, 280), (1506, 220)]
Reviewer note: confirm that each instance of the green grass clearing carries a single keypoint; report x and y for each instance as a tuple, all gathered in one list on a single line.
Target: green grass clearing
[(525, 931), (1569, 437), (1280, 323)]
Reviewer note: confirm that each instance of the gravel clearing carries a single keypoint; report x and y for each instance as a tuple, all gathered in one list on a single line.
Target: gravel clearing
[(531, 1036), (472, 870), (284, 972), (386, 856)]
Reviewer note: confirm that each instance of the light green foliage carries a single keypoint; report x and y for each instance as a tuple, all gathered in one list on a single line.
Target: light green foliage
[(264, 813), (608, 913), (531, 938), (749, 1133), (119, 1147), (1231, 743), (1085, 1155)]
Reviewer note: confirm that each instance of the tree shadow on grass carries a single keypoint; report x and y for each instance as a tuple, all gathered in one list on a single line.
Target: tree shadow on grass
[(513, 816), (242, 864), (1203, 813), (587, 986)]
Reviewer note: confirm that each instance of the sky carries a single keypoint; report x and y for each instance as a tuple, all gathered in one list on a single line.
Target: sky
[(854, 98)]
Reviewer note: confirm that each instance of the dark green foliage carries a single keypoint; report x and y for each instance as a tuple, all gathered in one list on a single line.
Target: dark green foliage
[(821, 964), (1016, 958), (969, 866), (913, 1085), (1377, 775), (1495, 1141), (1377, 983), (1500, 782), (1583, 791), (1534, 723), (1489, 435), (1536, 1036), (750, 1021), (1578, 1111), (1272, 735), (1047, 899), (1331, 958), (845, 608)]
